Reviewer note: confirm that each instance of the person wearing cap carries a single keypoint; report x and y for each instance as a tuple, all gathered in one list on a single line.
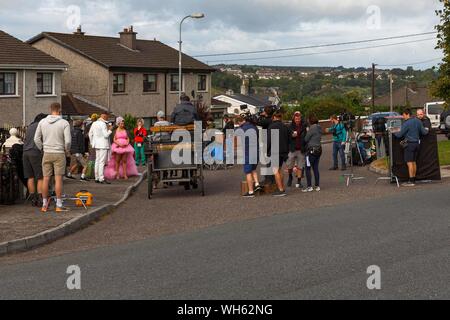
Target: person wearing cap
[(99, 138), (139, 136), (159, 136)]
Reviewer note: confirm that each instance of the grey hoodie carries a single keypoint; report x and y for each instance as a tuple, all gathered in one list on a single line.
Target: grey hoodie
[(53, 135)]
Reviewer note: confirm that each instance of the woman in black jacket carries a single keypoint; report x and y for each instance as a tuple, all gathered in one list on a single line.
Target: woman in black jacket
[(313, 141)]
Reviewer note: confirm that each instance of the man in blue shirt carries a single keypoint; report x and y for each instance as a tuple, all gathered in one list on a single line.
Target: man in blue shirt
[(412, 130), (251, 155), (339, 138)]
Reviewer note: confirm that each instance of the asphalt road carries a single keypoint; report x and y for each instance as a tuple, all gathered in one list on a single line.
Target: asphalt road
[(322, 253)]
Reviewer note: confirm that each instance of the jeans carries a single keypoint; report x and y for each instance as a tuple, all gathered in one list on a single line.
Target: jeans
[(314, 164), (139, 154), (338, 147)]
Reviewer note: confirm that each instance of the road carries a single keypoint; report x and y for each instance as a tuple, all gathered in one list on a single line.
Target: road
[(317, 253)]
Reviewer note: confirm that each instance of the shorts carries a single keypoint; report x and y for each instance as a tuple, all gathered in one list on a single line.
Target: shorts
[(32, 166), (249, 168), (412, 151), (296, 159), (78, 160), (281, 160), (54, 164)]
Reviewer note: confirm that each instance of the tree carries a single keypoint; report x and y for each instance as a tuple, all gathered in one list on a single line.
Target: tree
[(441, 86)]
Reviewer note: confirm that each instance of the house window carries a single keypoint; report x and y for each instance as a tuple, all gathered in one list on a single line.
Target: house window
[(175, 83), (44, 83), (202, 82), (7, 84), (119, 83), (150, 82)]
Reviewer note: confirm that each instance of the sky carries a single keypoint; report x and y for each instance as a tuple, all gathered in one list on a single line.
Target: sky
[(248, 25)]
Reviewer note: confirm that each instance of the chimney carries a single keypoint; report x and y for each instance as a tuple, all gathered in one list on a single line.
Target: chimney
[(245, 88), (79, 32), (128, 38)]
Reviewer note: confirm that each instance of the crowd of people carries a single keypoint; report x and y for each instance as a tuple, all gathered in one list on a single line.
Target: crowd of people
[(54, 148), (299, 148)]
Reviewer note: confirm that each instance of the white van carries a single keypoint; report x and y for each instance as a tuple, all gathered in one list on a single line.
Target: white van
[(433, 110)]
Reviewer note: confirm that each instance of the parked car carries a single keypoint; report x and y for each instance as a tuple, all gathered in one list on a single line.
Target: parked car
[(445, 123), (433, 110), (367, 127)]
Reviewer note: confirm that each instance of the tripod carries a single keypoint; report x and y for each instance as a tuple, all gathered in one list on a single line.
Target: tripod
[(349, 142), (392, 177)]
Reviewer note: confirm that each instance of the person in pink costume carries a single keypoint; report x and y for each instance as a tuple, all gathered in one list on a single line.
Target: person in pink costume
[(121, 164)]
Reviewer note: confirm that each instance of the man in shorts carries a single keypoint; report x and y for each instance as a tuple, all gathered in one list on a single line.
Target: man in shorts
[(32, 163), (251, 155), (54, 137), (296, 161), (412, 130)]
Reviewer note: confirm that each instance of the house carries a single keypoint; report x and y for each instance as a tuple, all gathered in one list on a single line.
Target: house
[(254, 103), (236, 101), (411, 95), (30, 81), (125, 74)]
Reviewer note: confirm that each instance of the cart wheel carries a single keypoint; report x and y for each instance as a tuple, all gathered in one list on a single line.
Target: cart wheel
[(150, 181)]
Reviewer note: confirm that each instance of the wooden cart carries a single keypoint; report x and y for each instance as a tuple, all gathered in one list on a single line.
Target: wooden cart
[(162, 169)]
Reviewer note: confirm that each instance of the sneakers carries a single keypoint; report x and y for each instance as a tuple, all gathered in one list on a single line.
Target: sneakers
[(104, 182), (299, 185), (84, 179), (258, 188), (309, 189), (70, 177), (409, 184), (317, 189), (61, 209), (279, 194), (248, 195), (44, 210)]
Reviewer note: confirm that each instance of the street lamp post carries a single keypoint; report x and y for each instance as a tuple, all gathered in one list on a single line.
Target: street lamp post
[(180, 81)]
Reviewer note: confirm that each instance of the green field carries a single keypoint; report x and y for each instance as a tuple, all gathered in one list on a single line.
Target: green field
[(444, 153)]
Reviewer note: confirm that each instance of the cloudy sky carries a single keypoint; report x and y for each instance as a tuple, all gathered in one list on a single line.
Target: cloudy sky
[(248, 25)]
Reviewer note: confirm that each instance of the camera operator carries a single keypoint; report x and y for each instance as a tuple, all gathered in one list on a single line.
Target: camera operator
[(339, 138), (265, 119), (283, 150), (297, 149)]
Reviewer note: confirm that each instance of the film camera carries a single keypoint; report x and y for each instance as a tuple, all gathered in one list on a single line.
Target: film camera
[(348, 120), (266, 112)]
